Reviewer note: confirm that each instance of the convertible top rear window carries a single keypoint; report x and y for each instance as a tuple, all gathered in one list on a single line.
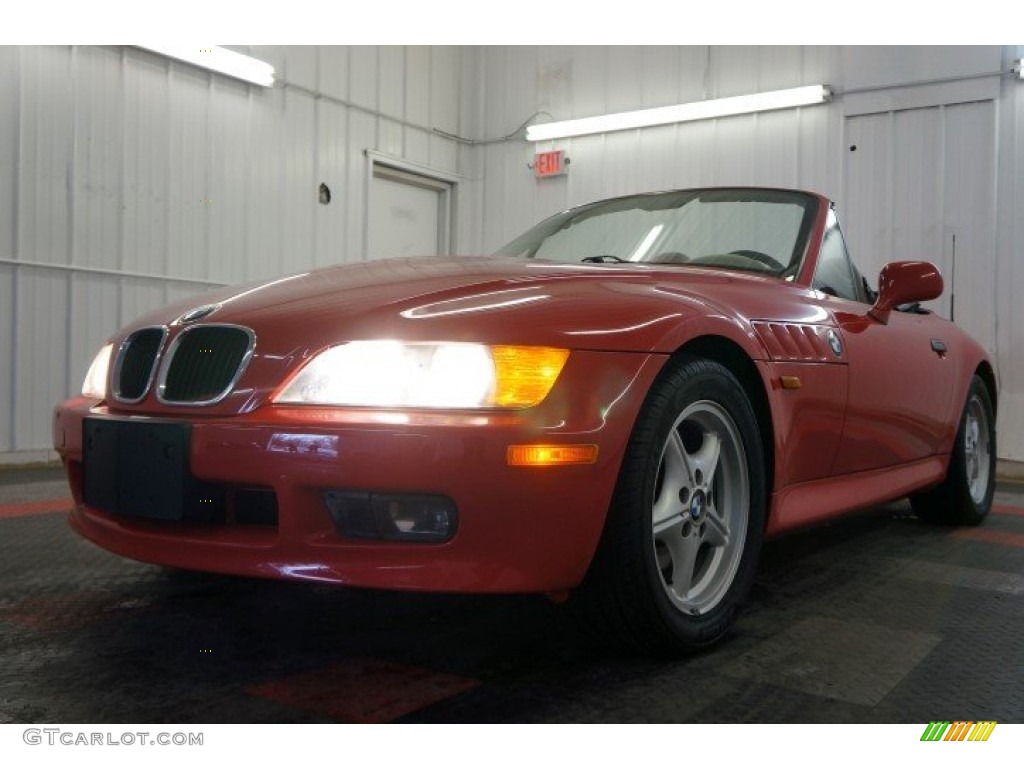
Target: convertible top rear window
[(763, 231)]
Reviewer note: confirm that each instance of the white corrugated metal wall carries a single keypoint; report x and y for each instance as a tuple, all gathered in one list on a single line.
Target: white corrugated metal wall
[(127, 181), (940, 153)]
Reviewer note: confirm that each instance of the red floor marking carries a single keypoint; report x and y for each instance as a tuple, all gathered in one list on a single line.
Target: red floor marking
[(364, 690), (26, 508), (68, 610), (993, 537), (1006, 509), (52, 613)]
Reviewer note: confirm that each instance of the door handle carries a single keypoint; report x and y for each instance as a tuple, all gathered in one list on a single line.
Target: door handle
[(939, 347)]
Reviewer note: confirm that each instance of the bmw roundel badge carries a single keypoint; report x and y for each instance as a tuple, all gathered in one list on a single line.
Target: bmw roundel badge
[(835, 342), (198, 313)]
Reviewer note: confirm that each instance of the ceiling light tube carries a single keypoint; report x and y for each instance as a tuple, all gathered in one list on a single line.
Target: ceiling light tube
[(1019, 67), (220, 59), (681, 113)]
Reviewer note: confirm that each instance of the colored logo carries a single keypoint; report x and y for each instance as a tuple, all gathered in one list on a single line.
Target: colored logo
[(697, 504), (961, 730), (835, 342)]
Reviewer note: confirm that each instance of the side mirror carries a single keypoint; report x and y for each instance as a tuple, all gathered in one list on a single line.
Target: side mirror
[(904, 282)]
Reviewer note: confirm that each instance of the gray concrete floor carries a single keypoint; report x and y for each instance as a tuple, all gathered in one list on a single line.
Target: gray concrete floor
[(874, 618)]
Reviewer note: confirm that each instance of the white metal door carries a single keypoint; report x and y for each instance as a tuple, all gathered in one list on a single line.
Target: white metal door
[(409, 214), (918, 185)]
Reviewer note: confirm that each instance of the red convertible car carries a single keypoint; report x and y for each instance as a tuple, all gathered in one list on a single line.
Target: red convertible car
[(617, 408)]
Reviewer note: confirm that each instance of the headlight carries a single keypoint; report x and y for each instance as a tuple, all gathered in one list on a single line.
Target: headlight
[(95, 384), (392, 374)]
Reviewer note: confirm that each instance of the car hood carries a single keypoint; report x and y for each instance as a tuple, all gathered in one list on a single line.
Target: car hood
[(486, 299)]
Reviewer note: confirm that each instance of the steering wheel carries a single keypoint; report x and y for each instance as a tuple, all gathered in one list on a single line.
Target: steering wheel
[(763, 258)]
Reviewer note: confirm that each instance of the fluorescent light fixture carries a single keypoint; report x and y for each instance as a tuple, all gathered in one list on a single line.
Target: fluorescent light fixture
[(1019, 67), (681, 113), (219, 59)]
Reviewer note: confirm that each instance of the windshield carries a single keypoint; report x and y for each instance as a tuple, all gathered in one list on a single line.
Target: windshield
[(756, 230)]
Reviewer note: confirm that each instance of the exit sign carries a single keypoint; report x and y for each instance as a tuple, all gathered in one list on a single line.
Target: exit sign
[(550, 164)]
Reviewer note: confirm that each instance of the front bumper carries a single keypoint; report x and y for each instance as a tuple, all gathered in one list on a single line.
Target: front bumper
[(521, 529)]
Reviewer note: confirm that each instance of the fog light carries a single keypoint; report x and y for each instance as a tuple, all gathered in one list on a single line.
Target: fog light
[(392, 516)]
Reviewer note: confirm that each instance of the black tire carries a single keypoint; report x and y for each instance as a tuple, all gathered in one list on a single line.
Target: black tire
[(952, 501), (631, 592)]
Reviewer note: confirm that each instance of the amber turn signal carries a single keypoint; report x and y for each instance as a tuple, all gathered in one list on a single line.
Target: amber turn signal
[(550, 455), (525, 375)]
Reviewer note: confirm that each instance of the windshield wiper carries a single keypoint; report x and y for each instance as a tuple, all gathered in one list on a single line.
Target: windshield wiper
[(604, 258)]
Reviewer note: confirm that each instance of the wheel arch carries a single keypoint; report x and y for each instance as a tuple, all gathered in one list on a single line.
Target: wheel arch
[(987, 375), (732, 356)]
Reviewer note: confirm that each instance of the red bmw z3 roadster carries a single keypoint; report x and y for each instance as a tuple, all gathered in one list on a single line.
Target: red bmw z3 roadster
[(620, 405)]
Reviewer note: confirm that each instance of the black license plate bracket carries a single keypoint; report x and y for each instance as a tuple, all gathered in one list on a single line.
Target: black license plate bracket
[(141, 469)]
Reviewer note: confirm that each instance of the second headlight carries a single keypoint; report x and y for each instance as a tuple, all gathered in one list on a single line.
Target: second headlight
[(393, 374), (95, 384)]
